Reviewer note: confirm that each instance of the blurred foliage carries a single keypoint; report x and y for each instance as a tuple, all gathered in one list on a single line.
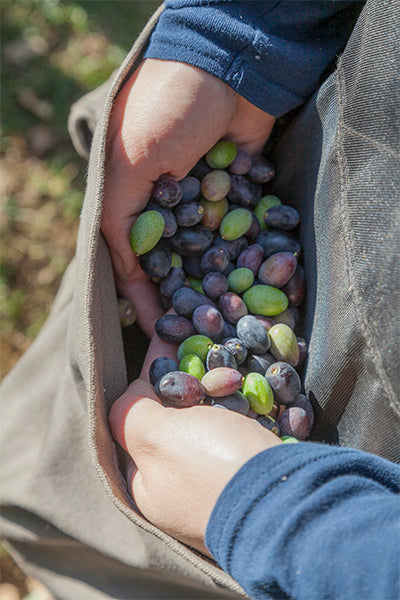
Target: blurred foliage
[(53, 51)]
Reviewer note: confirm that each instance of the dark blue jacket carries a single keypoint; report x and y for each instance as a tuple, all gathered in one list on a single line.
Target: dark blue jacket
[(272, 53), (311, 522)]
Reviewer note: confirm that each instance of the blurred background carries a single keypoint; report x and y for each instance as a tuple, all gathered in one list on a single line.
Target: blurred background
[(53, 52)]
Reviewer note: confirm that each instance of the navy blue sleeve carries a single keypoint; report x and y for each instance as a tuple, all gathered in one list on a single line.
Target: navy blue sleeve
[(310, 521), (272, 53)]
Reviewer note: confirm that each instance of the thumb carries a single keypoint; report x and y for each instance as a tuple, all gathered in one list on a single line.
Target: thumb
[(133, 416)]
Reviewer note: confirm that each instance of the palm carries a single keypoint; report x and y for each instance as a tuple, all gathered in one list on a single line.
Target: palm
[(164, 120)]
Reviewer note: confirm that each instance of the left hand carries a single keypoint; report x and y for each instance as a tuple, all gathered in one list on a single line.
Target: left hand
[(183, 458), (164, 119)]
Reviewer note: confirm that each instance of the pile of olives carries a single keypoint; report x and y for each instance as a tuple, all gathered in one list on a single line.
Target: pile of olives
[(226, 258)]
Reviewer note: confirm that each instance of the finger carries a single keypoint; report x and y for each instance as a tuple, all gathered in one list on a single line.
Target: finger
[(143, 293), (130, 474), (123, 201), (156, 349), (254, 147), (251, 127), (127, 186), (130, 471), (134, 413), (135, 487)]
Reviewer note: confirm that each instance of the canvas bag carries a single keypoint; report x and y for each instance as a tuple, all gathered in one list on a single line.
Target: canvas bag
[(65, 507)]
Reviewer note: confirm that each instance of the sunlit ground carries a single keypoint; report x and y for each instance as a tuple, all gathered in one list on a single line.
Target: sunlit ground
[(52, 53)]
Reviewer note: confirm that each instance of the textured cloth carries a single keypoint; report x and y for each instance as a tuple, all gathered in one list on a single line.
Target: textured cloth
[(311, 521), (272, 53), (337, 162)]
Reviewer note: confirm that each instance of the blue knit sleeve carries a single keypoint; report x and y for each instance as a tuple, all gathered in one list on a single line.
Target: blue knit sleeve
[(272, 53), (310, 521)]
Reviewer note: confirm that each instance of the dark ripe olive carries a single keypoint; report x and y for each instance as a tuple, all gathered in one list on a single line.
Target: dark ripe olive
[(285, 382), (200, 169), (242, 163), (237, 348), (179, 389), (254, 230), (295, 422), (234, 247), (231, 267), (208, 321), (296, 287), (160, 367), (235, 401), (172, 282), (191, 241), (253, 334), (303, 348), (215, 258), (269, 423), (278, 269), (232, 307), (289, 316), (303, 402), (243, 191), (251, 258), (190, 189), (157, 262), (192, 266), (215, 284), (267, 322), (229, 330), (261, 170), (166, 192), (189, 213), (282, 217), (165, 302), (186, 300), (174, 328), (278, 241), (219, 356), (257, 363)]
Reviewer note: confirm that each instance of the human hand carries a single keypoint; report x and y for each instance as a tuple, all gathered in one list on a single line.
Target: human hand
[(166, 117), (183, 458)]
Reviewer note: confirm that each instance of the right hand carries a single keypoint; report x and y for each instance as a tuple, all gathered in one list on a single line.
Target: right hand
[(183, 458), (165, 118)]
